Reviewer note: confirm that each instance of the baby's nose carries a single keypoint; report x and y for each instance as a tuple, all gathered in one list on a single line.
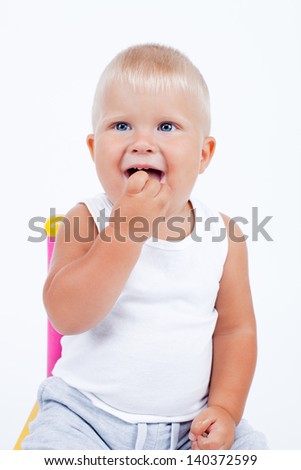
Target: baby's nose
[(142, 147)]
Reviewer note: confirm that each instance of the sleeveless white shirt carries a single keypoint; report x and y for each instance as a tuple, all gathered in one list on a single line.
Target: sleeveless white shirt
[(149, 359)]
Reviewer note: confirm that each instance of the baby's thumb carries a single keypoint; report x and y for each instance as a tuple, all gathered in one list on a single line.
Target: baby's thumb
[(136, 182), (199, 428)]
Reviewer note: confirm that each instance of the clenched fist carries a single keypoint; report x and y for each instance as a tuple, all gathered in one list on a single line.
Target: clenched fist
[(212, 429)]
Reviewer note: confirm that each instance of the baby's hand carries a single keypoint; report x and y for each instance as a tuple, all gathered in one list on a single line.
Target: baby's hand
[(212, 429), (144, 198)]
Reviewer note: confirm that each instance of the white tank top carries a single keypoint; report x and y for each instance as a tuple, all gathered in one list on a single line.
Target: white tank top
[(149, 359)]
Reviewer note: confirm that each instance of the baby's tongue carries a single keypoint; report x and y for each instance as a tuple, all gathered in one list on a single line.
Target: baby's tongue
[(155, 174)]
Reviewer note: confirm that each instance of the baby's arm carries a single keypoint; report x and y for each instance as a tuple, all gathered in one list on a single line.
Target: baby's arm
[(86, 278), (234, 354)]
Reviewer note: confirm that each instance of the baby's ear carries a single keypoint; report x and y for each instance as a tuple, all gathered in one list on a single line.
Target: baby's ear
[(208, 149), (90, 143)]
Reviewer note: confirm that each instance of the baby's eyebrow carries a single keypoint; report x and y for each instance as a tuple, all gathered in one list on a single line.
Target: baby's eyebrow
[(113, 117)]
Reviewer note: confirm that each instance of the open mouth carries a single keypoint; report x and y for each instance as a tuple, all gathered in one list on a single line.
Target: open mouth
[(152, 172)]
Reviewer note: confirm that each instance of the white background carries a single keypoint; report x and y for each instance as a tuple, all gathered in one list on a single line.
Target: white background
[(52, 54)]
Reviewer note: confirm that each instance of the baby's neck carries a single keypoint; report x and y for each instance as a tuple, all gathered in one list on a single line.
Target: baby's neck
[(177, 225)]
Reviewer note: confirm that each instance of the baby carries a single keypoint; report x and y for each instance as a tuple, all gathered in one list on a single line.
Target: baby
[(154, 303)]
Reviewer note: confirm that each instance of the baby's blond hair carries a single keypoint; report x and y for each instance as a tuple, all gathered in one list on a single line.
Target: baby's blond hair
[(153, 68)]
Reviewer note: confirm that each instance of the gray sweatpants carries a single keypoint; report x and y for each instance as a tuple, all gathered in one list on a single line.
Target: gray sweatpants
[(68, 420)]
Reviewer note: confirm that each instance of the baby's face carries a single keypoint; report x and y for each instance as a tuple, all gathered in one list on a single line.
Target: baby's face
[(160, 132)]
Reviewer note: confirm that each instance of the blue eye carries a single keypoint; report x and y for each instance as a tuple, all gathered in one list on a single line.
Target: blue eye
[(122, 126), (166, 127)]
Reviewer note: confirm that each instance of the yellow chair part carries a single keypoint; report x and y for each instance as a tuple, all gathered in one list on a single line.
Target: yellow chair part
[(25, 430)]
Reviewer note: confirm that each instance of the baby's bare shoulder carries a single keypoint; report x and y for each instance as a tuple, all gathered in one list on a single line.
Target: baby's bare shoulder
[(78, 225), (76, 234), (233, 229)]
